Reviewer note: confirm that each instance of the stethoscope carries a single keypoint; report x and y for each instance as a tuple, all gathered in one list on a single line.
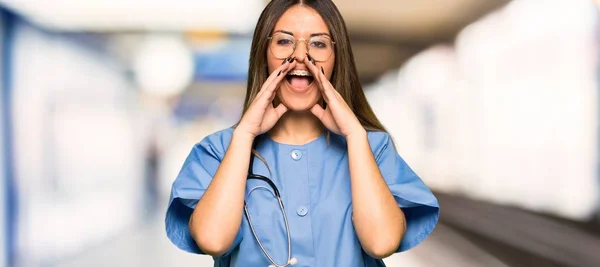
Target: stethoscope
[(251, 175)]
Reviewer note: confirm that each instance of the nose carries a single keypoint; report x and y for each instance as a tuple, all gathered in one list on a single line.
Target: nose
[(301, 51)]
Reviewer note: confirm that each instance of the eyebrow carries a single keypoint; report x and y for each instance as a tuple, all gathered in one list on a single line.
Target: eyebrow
[(312, 35)]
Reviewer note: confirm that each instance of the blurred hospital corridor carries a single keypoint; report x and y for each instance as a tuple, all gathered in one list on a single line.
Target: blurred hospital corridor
[(494, 104), (451, 244), (149, 247)]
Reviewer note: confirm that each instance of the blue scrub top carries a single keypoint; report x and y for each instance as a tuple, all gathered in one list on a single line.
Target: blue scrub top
[(314, 182)]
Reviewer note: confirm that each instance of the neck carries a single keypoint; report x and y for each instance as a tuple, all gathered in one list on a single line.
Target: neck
[(297, 128)]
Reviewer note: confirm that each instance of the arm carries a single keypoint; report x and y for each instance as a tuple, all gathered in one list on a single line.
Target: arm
[(380, 223), (218, 215), (215, 221)]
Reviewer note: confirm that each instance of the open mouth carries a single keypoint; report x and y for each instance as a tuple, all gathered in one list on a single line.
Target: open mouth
[(299, 79)]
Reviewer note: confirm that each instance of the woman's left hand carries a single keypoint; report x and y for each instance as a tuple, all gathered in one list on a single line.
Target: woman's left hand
[(337, 116)]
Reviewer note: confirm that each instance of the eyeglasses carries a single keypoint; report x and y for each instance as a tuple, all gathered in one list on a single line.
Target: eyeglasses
[(319, 47)]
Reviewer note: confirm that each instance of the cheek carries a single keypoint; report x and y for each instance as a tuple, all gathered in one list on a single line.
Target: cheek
[(271, 63)]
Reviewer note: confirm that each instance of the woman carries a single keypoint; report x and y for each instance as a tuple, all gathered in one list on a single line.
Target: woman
[(347, 197)]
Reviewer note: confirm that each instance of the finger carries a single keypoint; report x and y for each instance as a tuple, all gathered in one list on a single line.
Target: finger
[(268, 94), (275, 77), (313, 68), (328, 88), (272, 115), (318, 72), (318, 111), (319, 76), (280, 110), (325, 116), (275, 83), (276, 73), (323, 79)]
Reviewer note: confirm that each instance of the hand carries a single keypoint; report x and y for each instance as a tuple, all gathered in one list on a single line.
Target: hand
[(337, 116), (261, 116)]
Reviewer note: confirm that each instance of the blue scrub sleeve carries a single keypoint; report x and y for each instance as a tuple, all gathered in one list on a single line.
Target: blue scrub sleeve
[(420, 206), (196, 174)]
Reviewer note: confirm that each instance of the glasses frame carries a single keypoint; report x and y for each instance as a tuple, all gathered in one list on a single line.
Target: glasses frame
[(297, 41)]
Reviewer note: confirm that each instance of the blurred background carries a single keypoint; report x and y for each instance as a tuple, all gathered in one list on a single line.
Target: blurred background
[(493, 103)]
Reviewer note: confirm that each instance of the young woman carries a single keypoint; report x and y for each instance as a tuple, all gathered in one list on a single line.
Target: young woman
[(328, 188)]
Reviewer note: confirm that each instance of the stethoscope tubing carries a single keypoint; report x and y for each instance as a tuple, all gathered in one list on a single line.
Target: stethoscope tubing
[(251, 175)]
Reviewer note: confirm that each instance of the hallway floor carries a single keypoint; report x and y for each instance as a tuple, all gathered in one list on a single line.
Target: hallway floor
[(148, 246)]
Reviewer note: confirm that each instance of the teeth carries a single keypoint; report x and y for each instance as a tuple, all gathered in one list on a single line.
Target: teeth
[(300, 73)]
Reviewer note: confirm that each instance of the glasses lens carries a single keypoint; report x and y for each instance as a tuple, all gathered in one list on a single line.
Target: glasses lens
[(282, 45), (320, 48)]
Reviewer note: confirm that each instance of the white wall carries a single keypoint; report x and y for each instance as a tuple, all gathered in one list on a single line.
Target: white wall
[(79, 158), (509, 113)]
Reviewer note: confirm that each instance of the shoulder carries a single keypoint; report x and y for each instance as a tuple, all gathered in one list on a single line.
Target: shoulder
[(215, 143), (379, 141)]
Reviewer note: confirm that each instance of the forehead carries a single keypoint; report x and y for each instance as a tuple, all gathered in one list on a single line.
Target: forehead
[(302, 21)]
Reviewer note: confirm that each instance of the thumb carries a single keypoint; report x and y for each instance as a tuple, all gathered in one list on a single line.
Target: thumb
[(318, 111), (326, 118), (280, 110)]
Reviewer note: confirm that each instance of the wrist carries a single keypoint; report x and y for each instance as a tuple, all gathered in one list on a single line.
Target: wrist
[(360, 133), (242, 135)]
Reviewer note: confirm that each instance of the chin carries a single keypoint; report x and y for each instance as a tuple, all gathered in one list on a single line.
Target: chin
[(299, 107), (298, 101)]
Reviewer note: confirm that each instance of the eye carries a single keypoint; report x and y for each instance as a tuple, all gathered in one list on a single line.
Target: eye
[(284, 42), (318, 44)]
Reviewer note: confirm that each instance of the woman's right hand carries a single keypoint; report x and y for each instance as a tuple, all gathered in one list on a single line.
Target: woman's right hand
[(261, 116)]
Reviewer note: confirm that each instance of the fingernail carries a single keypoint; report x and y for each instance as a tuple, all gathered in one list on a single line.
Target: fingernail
[(322, 70), (279, 73), (310, 59), (292, 59), (284, 61)]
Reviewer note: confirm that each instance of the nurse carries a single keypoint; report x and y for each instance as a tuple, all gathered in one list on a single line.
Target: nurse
[(347, 197)]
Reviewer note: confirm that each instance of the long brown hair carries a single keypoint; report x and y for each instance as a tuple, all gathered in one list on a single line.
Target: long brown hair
[(344, 77)]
